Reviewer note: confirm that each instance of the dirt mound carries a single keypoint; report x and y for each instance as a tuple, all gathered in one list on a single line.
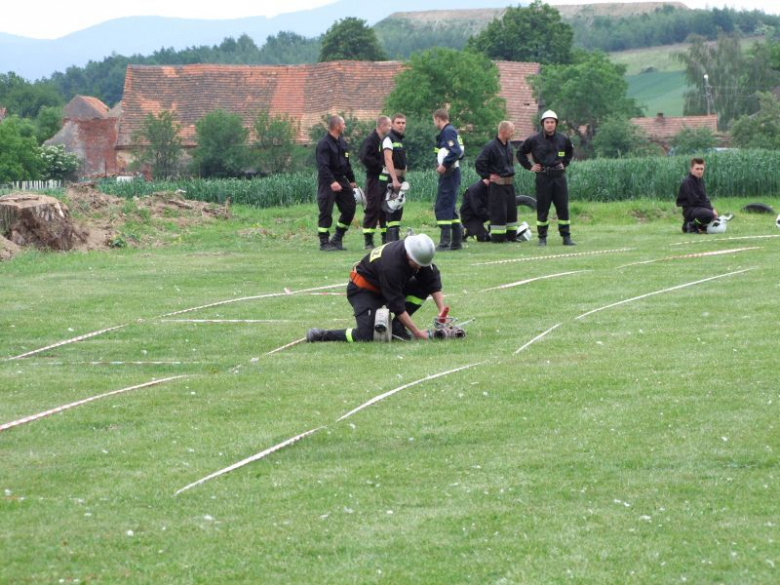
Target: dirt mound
[(7, 249), (30, 219)]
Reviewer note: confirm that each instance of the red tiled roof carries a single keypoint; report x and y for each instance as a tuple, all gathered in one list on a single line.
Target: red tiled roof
[(84, 107), (305, 93), (663, 128)]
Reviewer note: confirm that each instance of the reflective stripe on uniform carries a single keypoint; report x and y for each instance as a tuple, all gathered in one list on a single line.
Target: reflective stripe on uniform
[(348, 333), (542, 223), (414, 300)]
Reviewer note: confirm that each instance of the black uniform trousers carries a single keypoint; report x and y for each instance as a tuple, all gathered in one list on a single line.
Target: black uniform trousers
[(502, 205), (365, 304), (551, 188), (700, 216), (474, 224), (344, 200), (373, 214), (446, 197)]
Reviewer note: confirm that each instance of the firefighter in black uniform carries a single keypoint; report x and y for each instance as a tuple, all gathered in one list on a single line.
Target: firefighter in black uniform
[(394, 172), (547, 154), (399, 275), (474, 211), (335, 184), (696, 206), (449, 151), (372, 157), (496, 164)]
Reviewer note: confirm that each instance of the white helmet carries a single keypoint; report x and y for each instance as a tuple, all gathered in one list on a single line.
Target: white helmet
[(360, 197), (420, 248), (524, 232), (441, 155), (777, 222), (395, 200), (717, 227), (549, 114)]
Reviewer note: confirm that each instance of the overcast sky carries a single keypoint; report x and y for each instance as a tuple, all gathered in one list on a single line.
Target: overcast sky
[(51, 19)]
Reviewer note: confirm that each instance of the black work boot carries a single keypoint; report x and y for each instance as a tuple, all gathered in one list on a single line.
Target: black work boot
[(497, 238), (457, 237), (325, 245), (400, 331), (338, 238), (315, 334), (393, 234), (369, 241), (542, 241), (446, 237), (567, 241), (384, 237)]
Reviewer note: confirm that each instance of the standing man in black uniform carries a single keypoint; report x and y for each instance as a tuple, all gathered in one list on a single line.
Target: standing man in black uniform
[(449, 151), (399, 275), (547, 154), (394, 171), (335, 185), (474, 211), (372, 157), (496, 164), (698, 211)]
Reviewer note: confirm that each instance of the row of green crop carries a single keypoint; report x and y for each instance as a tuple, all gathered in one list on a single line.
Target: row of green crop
[(733, 173)]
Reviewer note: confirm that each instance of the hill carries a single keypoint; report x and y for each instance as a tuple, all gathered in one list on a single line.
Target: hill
[(35, 58)]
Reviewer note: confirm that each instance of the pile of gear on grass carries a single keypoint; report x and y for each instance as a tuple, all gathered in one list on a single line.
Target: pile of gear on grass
[(90, 220)]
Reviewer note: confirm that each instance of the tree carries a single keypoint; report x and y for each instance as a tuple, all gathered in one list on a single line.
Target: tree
[(732, 78), (56, 163), (25, 99), (222, 149), (617, 137), (160, 145), (693, 140), (351, 39), (585, 94), (761, 130), (274, 143), (47, 123), (464, 82), (19, 153), (289, 48), (533, 33)]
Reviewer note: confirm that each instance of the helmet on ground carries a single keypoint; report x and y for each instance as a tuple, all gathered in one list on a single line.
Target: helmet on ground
[(420, 248), (716, 227), (549, 114), (524, 232), (777, 222), (394, 200), (360, 197)]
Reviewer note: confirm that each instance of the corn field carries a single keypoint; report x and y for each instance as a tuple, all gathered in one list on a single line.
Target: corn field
[(733, 173)]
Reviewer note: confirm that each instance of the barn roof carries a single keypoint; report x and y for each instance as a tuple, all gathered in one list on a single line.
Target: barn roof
[(305, 93)]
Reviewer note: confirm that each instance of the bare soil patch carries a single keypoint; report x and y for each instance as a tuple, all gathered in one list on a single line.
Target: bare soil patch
[(87, 219)]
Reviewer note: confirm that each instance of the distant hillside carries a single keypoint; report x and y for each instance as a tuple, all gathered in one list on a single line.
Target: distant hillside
[(35, 58)]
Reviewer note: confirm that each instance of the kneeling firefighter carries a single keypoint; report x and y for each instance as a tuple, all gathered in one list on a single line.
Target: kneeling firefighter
[(399, 275)]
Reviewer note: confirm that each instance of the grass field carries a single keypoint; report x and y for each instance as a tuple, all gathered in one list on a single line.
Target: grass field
[(659, 91), (636, 441)]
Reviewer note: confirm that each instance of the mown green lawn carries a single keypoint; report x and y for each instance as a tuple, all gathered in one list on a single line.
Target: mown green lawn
[(638, 443)]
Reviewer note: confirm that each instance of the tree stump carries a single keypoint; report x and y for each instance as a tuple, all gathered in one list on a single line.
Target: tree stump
[(28, 219)]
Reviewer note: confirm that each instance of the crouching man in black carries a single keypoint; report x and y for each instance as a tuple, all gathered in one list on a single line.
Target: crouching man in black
[(698, 212), (399, 275)]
